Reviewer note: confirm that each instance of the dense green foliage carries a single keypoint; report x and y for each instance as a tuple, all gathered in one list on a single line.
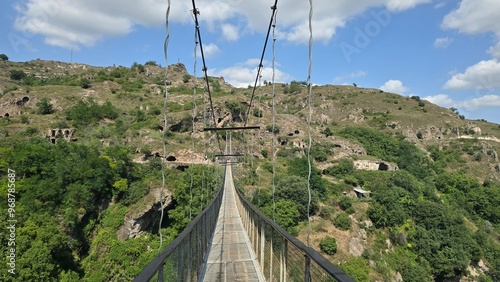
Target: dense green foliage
[(385, 147), (432, 218), (357, 268), (428, 227), (237, 109), (89, 112), (64, 232)]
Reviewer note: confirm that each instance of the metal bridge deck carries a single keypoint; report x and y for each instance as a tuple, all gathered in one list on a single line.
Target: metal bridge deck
[(231, 257)]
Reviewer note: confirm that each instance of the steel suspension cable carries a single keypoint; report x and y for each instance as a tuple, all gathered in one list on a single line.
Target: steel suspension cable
[(193, 129), (309, 103), (274, 20), (259, 138), (165, 53), (259, 69), (205, 70)]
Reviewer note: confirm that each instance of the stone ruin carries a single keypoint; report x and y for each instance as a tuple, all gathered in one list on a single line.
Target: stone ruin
[(56, 133), (374, 165)]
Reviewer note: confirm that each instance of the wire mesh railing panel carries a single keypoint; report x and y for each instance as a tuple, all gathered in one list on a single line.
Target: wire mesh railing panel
[(281, 256), (182, 259)]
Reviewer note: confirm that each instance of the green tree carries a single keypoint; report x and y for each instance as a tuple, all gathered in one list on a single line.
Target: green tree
[(44, 107), (294, 188), (286, 214), (4, 57), (237, 109), (17, 74), (299, 167)]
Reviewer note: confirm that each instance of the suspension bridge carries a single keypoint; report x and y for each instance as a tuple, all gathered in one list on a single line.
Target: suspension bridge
[(230, 239)]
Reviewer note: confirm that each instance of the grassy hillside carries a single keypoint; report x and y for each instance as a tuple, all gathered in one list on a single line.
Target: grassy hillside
[(435, 217)]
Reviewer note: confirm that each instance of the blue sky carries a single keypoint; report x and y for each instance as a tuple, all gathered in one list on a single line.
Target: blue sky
[(447, 52)]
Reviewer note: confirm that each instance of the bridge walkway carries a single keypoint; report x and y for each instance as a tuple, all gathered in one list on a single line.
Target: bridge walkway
[(231, 257)]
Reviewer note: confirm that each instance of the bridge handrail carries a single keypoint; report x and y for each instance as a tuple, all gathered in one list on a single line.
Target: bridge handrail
[(320, 260), (156, 265)]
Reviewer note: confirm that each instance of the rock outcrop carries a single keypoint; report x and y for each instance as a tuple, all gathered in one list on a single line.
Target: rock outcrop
[(145, 214), (374, 165)]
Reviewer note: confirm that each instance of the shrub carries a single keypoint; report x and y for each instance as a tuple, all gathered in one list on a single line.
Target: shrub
[(344, 167), (357, 268), (319, 153), (342, 221), (328, 245), (151, 63), (274, 130), (236, 108), (30, 131), (85, 83), (25, 119), (326, 212), (90, 112), (345, 202), (264, 153), (257, 113), (17, 74), (328, 132)]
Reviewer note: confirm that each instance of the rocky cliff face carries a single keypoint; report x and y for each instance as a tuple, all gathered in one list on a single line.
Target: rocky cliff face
[(145, 214)]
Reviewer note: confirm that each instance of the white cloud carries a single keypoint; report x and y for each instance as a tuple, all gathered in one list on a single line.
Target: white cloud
[(495, 51), (440, 5), (242, 75), (210, 50), (401, 5), (483, 75), (76, 23), (442, 100), (230, 32), (474, 17), (475, 104), (394, 86), (343, 78), (442, 42)]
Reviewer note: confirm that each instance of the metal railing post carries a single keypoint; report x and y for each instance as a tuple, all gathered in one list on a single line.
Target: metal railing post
[(160, 273), (262, 243), (271, 256), (307, 270), (190, 256)]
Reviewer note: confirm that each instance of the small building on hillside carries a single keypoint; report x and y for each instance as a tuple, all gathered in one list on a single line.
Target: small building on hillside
[(360, 193)]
